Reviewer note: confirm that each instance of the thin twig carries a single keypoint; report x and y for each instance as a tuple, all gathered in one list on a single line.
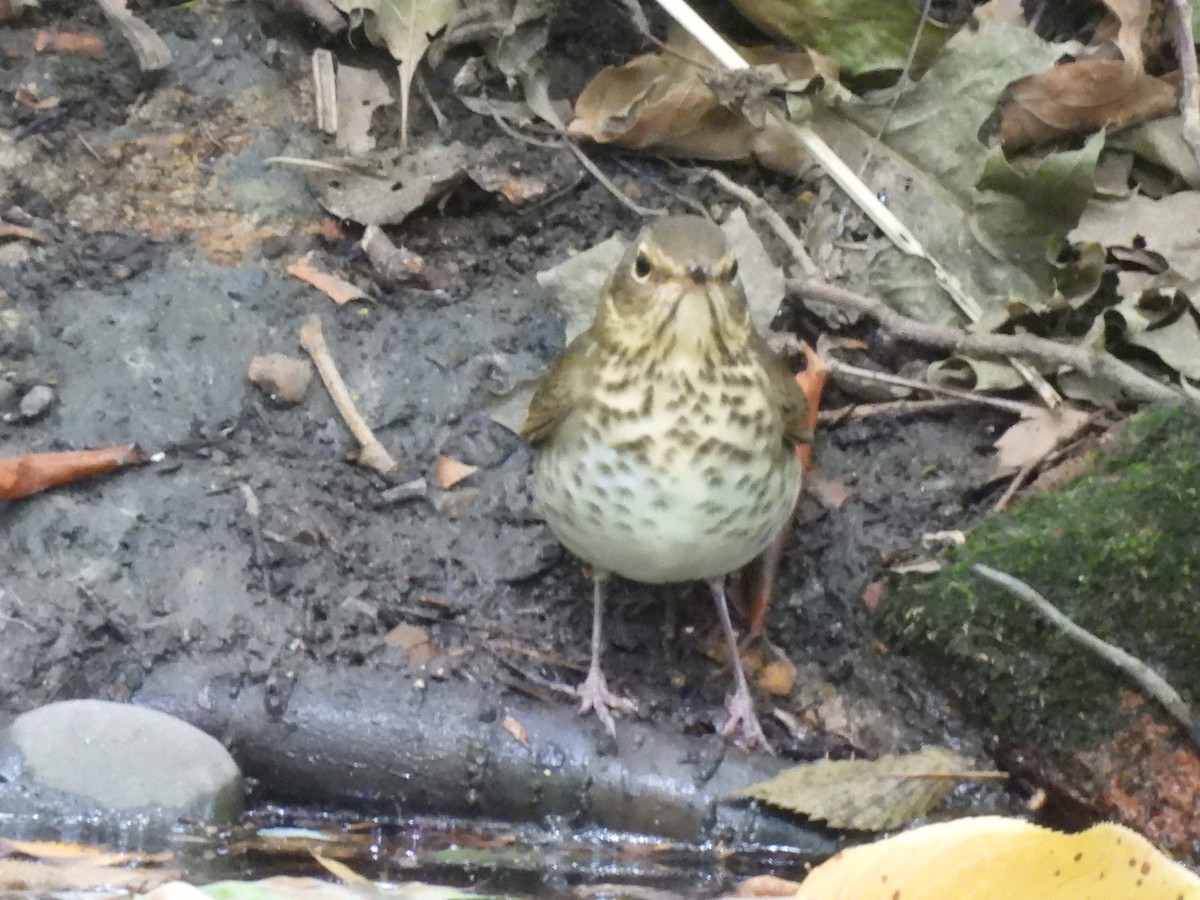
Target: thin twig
[(1185, 49), (768, 214), (260, 547), (1012, 406), (538, 98), (514, 132), (1018, 481), (427, 96), (859, 411), (1150, 681), (371, 453), (898, 92), (1027, 346)]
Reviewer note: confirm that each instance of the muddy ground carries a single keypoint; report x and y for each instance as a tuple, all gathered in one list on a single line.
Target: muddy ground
[(163, 273)]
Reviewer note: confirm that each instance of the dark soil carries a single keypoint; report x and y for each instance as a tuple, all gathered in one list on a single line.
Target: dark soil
[(163, 273)]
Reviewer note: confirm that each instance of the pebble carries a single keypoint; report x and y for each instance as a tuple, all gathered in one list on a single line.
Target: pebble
[(123, 760), (285, 378), (36, 402)]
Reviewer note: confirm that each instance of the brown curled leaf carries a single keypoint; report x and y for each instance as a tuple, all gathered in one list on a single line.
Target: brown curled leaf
[(22, 476)]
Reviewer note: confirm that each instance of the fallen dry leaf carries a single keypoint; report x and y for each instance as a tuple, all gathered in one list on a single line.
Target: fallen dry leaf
[(869, 795), (24, 878), (873, 595), (328, 229), (398, 264), (448, 472), (22, 476), (19, 232), (1079, 98), (89, 45), (1036, 436), (516, 189), (777, 678), (359, 93), (517, 730), (68, 851), (831, 493), (662, 102), (337, 289), (30, 99), (405, 27), (413, 641), (340, 871)]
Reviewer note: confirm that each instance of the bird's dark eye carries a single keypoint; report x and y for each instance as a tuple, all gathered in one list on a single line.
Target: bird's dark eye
[(732, 272), (641, 266)]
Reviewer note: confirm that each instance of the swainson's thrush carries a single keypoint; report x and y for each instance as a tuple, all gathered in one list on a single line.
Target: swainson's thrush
[(666, 436)]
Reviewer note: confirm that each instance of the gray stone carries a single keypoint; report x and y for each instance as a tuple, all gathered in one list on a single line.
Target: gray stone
[(36, 402), (128, 761)]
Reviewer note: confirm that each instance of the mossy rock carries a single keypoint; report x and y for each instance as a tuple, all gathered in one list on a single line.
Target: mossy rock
[(1117, 551)]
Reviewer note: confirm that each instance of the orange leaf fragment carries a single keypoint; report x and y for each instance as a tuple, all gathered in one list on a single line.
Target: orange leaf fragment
[(47, 41), (448, 472), (21, 476), (337, 289), (516, 730), (777, 678)]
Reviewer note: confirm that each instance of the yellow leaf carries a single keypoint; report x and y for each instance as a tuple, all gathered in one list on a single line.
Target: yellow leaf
[(997, 858)]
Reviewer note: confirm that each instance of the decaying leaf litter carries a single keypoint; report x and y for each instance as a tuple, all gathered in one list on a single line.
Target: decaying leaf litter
[(1030, 307)]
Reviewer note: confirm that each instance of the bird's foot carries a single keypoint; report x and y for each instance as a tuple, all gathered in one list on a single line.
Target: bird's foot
[(594, 695), (743, 725)]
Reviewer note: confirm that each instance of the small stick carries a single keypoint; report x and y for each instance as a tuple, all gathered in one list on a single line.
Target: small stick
[(371, 453), (427, 96), (1018, 481), (1150, 681), (1105, 365), (858, 411), (1012, 406), (538, 98), (260, 547), (768, 214)]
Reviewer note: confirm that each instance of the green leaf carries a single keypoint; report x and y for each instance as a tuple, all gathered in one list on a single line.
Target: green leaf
[(997, 225), (862, 35)]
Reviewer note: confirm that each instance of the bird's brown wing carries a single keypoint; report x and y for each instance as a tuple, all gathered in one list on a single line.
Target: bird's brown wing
[(560, 391), (793, 403)]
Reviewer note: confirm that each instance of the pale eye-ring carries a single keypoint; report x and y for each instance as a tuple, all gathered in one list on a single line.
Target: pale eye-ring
[(731, 272), (641, 267)]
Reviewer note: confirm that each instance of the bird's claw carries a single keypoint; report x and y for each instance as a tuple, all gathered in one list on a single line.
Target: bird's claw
[(743, 725), (594, 695)]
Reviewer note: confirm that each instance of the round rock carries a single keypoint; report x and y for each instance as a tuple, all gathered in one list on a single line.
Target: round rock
[(36, 402), (128, 761)]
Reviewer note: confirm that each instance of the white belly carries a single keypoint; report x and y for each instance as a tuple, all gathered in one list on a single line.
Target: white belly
[(664, 524)]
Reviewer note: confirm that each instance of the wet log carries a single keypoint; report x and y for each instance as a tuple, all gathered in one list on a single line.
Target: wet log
[(372, 740)]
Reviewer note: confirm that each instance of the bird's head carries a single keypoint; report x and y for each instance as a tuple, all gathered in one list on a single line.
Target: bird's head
[(676, 289)]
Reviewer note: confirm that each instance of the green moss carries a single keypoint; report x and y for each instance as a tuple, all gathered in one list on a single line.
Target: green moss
[(1117, 550)]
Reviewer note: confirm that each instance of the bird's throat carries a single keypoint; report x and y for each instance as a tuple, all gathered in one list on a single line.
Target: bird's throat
[(694, 323)]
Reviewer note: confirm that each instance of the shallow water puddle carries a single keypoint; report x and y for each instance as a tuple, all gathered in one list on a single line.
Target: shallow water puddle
[(494, 858)]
